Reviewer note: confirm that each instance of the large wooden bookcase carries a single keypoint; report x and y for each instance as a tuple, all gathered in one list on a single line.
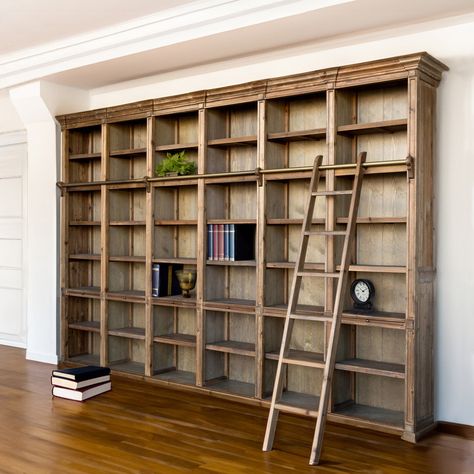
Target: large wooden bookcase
[(254, 145)]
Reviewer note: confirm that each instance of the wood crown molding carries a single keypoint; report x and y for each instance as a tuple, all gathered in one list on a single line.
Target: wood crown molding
[(383, 70)]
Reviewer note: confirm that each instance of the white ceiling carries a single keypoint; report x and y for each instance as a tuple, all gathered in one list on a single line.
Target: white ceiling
[(93, 43), (30, 23)]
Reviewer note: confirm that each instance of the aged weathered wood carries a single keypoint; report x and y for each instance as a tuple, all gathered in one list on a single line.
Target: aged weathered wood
[(253, 144)]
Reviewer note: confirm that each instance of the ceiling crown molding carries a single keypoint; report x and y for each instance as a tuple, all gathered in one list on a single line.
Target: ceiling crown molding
[(177, 25)]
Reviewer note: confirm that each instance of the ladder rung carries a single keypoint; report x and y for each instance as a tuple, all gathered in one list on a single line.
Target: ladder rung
[(306, 273), (304, 317), (325, 232), (296, 410), (331, 193)]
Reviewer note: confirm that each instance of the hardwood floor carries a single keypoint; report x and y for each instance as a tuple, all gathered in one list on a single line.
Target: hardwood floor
[(140, 427)]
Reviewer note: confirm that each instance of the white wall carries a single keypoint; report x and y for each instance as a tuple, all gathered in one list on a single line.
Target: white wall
[(9, 118), (451, 41)]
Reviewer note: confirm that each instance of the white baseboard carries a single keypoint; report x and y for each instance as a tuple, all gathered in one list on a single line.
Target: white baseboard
[(41, 357), (19, 344)]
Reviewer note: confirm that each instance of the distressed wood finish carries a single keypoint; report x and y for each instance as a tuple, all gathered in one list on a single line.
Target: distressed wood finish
[(252, 144)]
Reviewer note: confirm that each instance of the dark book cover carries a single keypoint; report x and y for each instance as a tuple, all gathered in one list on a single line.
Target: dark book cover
[(243, 244), (81, 373), (164, 281)]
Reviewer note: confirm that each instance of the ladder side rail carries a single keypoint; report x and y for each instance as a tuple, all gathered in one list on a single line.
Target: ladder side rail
[(292, 302), (335, 325)]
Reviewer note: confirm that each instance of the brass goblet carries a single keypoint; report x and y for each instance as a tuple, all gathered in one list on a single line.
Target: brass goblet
[(187, 280)]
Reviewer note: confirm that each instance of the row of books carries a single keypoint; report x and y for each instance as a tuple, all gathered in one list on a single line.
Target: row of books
[(80, 383), (231, 242)]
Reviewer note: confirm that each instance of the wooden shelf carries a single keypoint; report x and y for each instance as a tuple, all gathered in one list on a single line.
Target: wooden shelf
[(85, 156), (386, 126), (234, 305), (127, 258), (85, 359), (133, 296), (128, 366), (175, 300), (372, 367), (90, 326), (176, 339), (374, 318), (83, 291), (301, 309), (84, 223), (233, 141), (84, 256), (298, 135), (174, 376), (374, 415), (169, 222), (298, 357), (127, 223), (127, 153), (131, 333), (236, 387), (177, 146), (177, 260), (232, 347), (231, 221), (233, 263)]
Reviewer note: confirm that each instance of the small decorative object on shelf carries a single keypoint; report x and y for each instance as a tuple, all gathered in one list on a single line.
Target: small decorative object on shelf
[(362, 293), (175, 164), (187, 280)]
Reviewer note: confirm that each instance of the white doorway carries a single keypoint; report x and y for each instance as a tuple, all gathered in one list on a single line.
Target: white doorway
[(13, 159)]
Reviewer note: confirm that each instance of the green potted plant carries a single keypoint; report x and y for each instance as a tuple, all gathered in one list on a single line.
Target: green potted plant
[(175, 164)]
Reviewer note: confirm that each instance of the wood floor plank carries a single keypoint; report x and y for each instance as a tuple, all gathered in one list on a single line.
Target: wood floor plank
[(140, 427)]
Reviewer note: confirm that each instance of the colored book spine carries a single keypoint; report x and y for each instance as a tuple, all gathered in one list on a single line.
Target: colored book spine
[(226, 242), (215, 247), (155, 280), (221, 241), (210, 241), (232, 242)]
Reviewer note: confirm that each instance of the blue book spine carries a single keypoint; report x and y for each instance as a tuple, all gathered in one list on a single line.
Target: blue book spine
[(155, 280), (232, 242), (226, 242), (210, 241)]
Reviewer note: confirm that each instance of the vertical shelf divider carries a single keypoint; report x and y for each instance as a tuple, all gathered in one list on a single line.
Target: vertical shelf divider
[(104, 247), (201, 249), (64, 223), (149, 237), (260, 256)]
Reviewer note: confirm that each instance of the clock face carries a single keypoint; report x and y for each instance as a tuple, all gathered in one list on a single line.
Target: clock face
[(362, 291)]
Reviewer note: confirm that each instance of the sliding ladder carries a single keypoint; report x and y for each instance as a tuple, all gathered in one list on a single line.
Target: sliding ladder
[(278, 404)]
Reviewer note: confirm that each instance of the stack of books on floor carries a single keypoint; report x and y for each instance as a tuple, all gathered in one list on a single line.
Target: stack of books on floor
[(80, 383)]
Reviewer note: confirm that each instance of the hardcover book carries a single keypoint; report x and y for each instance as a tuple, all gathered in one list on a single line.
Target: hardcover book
[(242, 242), (82, 393), (66, 383), (78, 374), (164, 281), (210, 241)]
